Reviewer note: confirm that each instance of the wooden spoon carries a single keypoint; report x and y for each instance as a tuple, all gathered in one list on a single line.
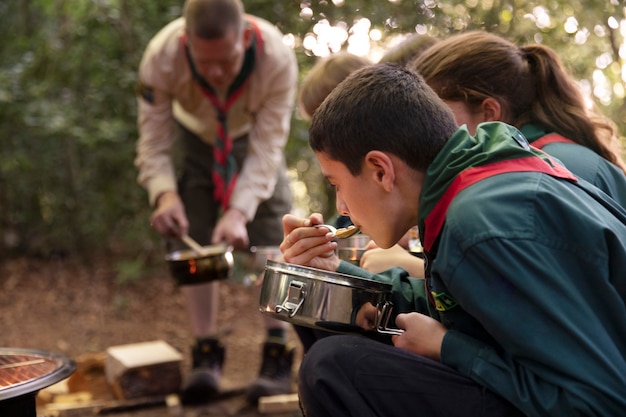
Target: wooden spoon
[(189, 241)]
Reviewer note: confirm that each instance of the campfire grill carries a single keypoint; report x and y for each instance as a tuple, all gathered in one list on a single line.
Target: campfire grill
[(23, 372)]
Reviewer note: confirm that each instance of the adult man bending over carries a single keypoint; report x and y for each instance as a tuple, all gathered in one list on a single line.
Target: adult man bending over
[(223, 83)]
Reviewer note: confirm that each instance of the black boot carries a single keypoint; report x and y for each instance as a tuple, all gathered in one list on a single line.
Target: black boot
[(202, 383), (275, 374)]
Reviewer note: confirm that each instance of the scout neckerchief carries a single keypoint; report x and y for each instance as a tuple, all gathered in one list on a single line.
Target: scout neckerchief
[(434, 222), (224, 164), (551, 138), (436, 218)]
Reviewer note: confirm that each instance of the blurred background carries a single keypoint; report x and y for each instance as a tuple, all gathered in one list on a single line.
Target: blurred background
[(68, 112)]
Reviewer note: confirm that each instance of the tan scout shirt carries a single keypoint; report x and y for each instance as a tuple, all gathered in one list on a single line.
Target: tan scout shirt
[(263, 111)]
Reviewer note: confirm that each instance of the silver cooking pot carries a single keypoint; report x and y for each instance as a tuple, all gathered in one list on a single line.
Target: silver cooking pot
[(351, 249), (188, 267), (325, 300)]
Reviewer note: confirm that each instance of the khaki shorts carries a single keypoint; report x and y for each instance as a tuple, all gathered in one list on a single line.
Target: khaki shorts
[(195, 187)]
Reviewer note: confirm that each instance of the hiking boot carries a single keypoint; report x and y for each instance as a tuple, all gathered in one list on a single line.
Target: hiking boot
[(202, 383), (275, 374)]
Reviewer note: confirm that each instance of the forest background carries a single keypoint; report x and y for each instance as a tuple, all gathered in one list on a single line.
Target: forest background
[(68, 70)]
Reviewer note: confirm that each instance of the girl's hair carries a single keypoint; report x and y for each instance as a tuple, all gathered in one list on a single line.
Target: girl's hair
[(530, 83), (409, 49), (325, 75)]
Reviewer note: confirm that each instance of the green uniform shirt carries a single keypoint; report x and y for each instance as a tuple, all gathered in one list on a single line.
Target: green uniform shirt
[(584, 163), (533, 273)]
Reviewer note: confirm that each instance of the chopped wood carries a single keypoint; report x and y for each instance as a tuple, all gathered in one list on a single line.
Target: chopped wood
[(279, 403), (143, 369)]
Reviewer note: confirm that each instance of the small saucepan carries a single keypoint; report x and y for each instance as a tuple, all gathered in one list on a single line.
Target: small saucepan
[(189, 267)]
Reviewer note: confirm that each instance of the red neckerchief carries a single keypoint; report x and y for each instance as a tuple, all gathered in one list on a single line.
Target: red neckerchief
[(224, 164), (436, 218), (551, 138)]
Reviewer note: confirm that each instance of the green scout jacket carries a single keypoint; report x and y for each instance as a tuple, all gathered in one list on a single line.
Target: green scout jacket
[(528, 273), (584, 163)]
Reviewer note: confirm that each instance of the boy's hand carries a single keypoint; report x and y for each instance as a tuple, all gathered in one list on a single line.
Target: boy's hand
[(422, 335), (304, 244)]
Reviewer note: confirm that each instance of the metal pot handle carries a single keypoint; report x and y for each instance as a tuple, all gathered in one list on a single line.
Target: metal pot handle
[(382, 320), (296, 294)]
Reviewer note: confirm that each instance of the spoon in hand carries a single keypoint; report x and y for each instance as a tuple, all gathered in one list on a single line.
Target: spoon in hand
[(341, 233)]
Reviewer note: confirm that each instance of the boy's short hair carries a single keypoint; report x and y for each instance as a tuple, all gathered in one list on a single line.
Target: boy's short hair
[(382, 107)]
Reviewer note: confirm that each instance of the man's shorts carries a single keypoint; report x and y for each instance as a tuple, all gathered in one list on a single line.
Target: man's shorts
[(195, 187)]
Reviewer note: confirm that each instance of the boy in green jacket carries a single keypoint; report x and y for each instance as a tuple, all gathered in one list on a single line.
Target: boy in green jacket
[(523, 309)]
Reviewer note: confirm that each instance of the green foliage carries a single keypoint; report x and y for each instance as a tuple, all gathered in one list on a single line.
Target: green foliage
[(68, 111)]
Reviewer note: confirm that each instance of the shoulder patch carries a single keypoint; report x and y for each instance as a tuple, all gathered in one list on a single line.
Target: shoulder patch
[(145, 91), (443, 301)]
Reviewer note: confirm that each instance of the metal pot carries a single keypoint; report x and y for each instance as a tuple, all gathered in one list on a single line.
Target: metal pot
[(325, 300), (351, 249), (252, 266), (188, 267)]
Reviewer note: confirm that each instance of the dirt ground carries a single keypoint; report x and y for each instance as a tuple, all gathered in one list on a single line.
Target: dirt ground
[(76, 310)]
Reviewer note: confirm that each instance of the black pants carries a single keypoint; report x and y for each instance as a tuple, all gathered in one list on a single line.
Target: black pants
[(359, 377), (195, 187), (308, 336)]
